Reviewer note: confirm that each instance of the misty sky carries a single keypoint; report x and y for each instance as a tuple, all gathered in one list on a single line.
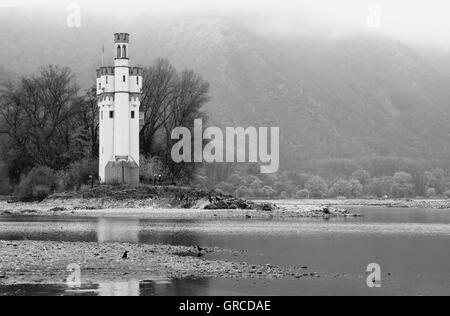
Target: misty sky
[(421, 21)]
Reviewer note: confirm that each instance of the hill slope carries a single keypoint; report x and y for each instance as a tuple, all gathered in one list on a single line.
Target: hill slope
[(351, 97)]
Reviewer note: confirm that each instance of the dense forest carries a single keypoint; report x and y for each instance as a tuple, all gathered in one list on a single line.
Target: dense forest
[(49, 142), (370, 177)]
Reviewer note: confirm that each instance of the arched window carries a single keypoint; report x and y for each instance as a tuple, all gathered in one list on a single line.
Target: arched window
[(124, 54), (119, 53)]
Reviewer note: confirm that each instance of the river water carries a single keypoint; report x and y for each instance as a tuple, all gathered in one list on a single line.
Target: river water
[(412, 247)]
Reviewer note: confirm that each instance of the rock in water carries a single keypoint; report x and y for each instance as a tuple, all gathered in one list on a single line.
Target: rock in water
[(267, 207), (58, 209)]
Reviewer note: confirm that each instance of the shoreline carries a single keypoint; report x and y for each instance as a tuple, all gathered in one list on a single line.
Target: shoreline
[(162, 202), (45, 262), (173, 214), (390, 203), (151, 209)]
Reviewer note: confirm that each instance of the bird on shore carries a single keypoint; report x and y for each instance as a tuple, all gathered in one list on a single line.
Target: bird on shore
[(125, 255), (200, 249)]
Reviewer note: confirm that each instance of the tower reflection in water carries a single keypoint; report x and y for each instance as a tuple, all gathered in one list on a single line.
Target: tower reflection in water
[(129, 231), (156, 287), (130, 288)]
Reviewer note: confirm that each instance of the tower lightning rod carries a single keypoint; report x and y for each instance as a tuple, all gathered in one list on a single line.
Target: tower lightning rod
[(103, 55)]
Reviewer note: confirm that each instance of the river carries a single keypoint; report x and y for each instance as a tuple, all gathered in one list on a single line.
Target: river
[(412, 247)]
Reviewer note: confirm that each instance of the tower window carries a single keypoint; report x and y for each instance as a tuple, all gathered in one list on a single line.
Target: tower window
[(99, 86), (106, 79), (137, 80), (132, 115), (111, 114), (124, 52), (119, 53), (101, 114), (124, 78)]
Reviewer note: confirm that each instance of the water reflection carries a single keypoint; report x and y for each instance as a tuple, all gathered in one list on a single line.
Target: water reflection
[(147, 232), (130, 288), (157, 287), (111, 230)]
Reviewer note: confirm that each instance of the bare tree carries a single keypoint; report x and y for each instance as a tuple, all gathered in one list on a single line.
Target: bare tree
[(37, 117), (159, 84), (87, 119), (190, 95), (170, 99)]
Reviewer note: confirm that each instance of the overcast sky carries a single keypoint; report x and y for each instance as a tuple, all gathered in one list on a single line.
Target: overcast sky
[(424, 21)]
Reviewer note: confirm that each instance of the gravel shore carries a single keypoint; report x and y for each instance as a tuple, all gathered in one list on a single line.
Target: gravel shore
[(31, 262)]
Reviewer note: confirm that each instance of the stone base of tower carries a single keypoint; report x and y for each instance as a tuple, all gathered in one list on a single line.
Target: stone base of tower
[(122, 172)]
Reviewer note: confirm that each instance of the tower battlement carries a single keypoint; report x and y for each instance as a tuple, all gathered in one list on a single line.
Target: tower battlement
[(105, 71), (121, 38), (136, 71)]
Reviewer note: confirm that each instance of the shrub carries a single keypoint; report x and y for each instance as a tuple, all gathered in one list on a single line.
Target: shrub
[(362, 176), (284, 195), (37, 185), (153, 167), (250, 179), (77, 174), (402, 186), (235, 179), (243, 192), (257, 185), (5, 186), (381, 187), (268, 192), (201, 182), (41, 192), (302, 194), (447, 194), (218, 191), (431, 193), (342, 188), (317, 187), (357, 188), (228, 188)]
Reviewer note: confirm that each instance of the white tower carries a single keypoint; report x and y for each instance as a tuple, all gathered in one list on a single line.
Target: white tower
[(119, 91)]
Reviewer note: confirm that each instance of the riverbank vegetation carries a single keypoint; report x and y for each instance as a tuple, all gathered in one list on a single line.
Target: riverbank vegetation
[(49, 128), (380, 177), (49, 142)]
